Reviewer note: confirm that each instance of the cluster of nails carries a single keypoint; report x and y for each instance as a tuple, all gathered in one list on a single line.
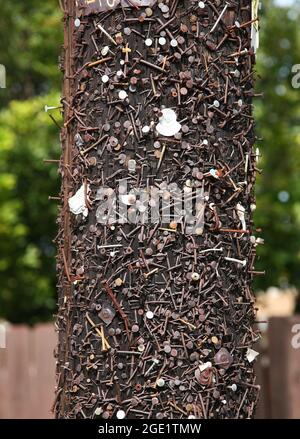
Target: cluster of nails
[(155, 322)]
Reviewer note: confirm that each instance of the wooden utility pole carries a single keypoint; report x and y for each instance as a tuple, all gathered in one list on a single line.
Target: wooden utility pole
[(157, 244)]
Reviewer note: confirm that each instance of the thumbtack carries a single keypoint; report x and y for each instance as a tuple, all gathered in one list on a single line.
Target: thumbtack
[(215, 340), (149, 315), (121, 414), (205, 366), (105, 79), (77, 22), (146, 129), (162, 41), (195, 276), (168, 125), (251, 354), (223, 358), (160, 382), (122, 95), (233, 387), (104, 50)]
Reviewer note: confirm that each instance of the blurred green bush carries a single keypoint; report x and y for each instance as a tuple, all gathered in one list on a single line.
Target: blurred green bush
[(30, 39), (278, 123)]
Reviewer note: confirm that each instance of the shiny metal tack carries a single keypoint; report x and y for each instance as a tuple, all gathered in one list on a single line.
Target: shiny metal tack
[(107, 314)]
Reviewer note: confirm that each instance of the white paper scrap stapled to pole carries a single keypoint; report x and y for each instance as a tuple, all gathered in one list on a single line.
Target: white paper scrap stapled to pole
[(77, 202), (254, 26), (2, 335)]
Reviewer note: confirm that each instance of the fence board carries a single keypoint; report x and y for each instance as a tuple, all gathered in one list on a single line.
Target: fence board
[(17, 364), (262, 368), (284, 369), (27, 376), (27, 372), (45, 340), (4, 391)]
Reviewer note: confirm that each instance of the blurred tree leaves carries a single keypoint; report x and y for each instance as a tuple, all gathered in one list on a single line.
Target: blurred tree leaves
[(278, 117), (27, 218), (30, 38)]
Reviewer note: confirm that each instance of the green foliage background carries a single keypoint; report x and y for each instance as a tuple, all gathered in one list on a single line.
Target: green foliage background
[(278, 122), (30, 40)]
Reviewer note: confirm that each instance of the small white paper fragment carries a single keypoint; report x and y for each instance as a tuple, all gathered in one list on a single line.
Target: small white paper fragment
[(168, 125), (205, 366), (214, 173), (2, 336), (131, 165), (129, 200), (77, 202), (254, 26), (257, 155), (241, 215), (251, 355), (98, 411)]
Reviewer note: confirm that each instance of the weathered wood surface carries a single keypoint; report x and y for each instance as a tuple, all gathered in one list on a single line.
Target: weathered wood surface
[(27, 372)]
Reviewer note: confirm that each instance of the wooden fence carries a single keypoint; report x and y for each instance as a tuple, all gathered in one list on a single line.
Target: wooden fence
[(27, 372), (27, 366), (279, 370)]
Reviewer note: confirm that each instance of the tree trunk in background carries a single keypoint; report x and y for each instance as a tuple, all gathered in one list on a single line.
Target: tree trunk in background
[(155, 314)]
